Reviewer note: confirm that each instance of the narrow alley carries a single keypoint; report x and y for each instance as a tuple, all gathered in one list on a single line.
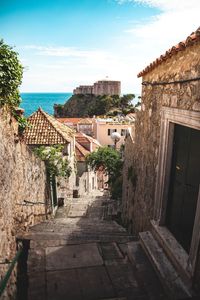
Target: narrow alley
[(82, 254)]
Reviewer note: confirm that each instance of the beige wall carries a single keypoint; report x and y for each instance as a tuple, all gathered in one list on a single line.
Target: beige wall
[(101, 132)]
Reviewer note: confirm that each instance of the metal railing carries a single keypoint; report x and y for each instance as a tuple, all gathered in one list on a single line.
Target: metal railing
[(4, 281)]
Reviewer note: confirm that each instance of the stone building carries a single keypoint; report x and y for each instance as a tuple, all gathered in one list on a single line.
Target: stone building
[(100, 88), (87, 180), (83, 89), (103, 129), (24, 198), (84, 125), (161, 196), (46, 130), (107, 87)]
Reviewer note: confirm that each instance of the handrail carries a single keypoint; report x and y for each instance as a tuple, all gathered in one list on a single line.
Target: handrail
[(5, 279)]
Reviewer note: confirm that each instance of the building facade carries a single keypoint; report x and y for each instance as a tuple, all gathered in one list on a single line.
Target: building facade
[(45, 130), (161, 191), (100, 88), (103, 129)]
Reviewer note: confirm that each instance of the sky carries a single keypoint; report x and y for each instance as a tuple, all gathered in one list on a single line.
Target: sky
[(65, 43)]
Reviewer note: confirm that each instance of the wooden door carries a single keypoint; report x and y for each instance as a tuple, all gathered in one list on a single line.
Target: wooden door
[(184, 184)]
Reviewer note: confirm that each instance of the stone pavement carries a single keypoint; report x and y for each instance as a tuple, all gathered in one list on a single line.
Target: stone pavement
[(81, 255)]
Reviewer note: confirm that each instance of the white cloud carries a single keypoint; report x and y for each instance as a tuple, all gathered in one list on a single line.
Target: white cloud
[(66, 52), (62, 68), (176, 20), (164, 5)]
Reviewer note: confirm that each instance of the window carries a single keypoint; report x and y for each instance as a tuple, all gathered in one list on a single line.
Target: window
[(110, 131), (123, 132)]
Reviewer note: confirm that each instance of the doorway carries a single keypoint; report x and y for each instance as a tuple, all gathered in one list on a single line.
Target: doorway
[(183, 184)]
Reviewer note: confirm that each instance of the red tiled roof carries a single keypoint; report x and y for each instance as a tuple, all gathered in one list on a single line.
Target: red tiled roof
[(85, 121), (81, 152), (82, 143), (191, 40), (84, 139), (75, 121), (69, 120), (46, 130)]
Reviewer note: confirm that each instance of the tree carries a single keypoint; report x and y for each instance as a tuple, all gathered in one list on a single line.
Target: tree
[(125, 100), (110, 160), (11, 72)]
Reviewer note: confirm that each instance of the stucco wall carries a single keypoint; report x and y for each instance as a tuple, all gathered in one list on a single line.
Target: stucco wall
[(101, 132), (183, 65), (22, 177), (86, 179)]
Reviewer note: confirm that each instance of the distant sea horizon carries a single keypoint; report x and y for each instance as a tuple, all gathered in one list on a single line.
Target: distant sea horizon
[(32, 101)]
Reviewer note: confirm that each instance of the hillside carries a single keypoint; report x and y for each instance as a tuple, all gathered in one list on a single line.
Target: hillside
[(89, 105)]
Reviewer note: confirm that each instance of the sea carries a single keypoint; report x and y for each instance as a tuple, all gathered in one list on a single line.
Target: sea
[(32, 101)]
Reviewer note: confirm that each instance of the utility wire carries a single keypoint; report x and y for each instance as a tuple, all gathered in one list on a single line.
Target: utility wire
[(169, 82)]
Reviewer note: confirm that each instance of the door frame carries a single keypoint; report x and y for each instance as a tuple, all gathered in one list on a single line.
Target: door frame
[(170, 117)]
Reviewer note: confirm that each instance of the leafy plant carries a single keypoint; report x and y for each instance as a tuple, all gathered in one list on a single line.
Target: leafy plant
[(110, 160), (11, 72), (56, 163), (22, 122)]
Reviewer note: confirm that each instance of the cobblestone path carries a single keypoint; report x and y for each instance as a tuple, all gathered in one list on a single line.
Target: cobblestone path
[(82, 255)]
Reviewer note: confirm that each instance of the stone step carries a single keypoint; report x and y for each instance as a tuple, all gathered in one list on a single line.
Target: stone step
[(145, 271), (176, 254), (170, 279)]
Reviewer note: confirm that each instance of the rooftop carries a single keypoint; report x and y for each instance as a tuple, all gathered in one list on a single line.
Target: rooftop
[(82, 141), (75, 121), (192, 39), (46, 130)]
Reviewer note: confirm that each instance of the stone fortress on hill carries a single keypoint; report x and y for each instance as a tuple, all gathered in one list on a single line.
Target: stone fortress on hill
[(100, 88)]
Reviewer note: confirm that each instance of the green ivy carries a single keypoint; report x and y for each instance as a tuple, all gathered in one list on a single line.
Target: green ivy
[(56, 163), (22, 122), (11, 72), (110, 160)]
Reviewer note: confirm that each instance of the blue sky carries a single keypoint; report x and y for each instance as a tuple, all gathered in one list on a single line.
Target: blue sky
[(66, 43)]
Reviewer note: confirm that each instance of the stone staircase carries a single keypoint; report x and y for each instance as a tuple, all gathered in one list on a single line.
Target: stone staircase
[(169, 260)]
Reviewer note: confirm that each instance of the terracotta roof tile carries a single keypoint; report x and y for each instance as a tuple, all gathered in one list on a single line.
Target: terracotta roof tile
[(82, 143), (190, 40), (69, 120), (85, 121), (75, 121), (81, 152), (46, 130)]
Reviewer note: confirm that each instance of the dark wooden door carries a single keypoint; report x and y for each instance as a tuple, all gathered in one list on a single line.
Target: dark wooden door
[(184, 184)]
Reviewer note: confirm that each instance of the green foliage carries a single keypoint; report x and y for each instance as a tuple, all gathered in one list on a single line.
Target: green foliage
[(111, 161), (56, 163), (58, 108), (89, 105), (22, 122), (125, 100), (11, 72)]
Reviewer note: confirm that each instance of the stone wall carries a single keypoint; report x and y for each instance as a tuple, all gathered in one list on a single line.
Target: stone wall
[(86, 180), (22, 178), (139, 206), (128, 184)]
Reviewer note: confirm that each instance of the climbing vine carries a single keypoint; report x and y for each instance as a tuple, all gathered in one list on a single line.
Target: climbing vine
[(56, 163), (11, 72)]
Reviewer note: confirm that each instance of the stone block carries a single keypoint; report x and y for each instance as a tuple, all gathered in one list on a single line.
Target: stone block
[(72, 256)]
